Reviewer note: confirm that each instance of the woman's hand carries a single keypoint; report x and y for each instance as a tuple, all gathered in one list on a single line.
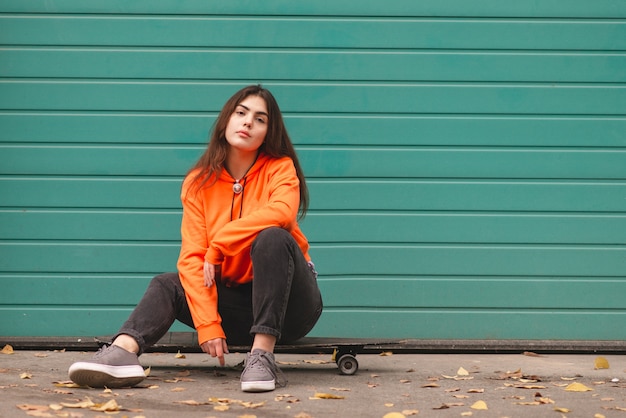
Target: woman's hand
[(216, 348), (209, 273)]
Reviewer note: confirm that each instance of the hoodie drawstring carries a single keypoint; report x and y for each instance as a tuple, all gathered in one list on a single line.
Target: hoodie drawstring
[(237, 190)]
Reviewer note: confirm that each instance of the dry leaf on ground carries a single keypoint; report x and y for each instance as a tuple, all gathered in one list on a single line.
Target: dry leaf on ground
[(7, 350), (462, 372), (577, 387), (449, 405), (192, 402), (110, 406), (394, 415), (601, 363), (481, 405), (320, 395)]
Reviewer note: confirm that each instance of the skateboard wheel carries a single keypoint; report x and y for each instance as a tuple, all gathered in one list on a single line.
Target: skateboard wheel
[(347, 364)]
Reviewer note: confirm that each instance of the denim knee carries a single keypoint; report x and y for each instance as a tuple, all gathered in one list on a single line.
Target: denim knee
[(271, 236)]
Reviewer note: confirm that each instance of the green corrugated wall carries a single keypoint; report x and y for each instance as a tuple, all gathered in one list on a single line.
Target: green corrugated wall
[(466, 160)]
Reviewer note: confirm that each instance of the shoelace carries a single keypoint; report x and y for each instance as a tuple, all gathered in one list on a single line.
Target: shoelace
[(102, 350), (267, 363)]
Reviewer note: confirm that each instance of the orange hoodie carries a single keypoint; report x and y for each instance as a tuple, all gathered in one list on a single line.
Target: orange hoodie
[(219, 226)]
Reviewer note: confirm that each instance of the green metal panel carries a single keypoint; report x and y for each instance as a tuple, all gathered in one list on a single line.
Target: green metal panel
[(396, 98), (466, 161), (312, 32), (277, 65), (478, 8), (312, 129)]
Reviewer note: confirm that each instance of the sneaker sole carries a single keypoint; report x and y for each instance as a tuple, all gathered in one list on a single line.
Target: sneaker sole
[(100, 375), (260, 386)]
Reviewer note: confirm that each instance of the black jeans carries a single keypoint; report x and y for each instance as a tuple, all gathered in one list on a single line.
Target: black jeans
[(283, 300)]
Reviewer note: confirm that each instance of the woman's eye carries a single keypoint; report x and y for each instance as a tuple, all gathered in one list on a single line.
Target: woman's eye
[(260, 120)]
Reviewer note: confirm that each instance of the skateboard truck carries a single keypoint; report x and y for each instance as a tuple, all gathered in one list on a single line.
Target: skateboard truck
[(345, 357)]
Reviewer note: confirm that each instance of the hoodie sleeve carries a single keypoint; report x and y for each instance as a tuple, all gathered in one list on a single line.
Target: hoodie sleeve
[(202, 300), (281, 210)]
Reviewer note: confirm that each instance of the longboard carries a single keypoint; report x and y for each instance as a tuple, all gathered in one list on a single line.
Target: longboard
[(343, 350)]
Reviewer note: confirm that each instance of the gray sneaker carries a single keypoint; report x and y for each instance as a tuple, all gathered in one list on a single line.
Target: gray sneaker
[(261, 373), (111, 367)]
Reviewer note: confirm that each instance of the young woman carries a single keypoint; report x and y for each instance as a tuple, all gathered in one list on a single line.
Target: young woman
[(245, 276)]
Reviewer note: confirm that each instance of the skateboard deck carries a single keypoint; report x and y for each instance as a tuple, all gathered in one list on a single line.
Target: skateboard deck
[(343, 350)]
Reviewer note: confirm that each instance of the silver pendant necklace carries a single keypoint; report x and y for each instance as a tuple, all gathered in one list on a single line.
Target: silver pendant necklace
[(237, 187)]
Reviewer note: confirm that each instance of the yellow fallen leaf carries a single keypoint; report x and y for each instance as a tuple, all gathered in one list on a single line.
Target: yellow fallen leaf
[(7, 349), (430, 385), (66, 384), (394, 415), (179, 355), (178, 390), (316, 361), (56, 406), (409, 412), (577, 387), (386, 353), (476, 391), (319, 395), (466, 414), (462, 372), (479, 405), (563, 410), (252, 405), (221, 407), (530, 387), (84, 404), (190, 402), (110, 406), (147, 371), (25, 376), (599, 416), (601, 363), (544, 400), (388, 404)]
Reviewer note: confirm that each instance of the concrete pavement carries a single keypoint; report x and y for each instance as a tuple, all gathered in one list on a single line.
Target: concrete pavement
[(34, 383)]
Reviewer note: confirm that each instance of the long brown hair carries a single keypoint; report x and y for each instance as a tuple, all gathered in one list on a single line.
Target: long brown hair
[(277, 142)]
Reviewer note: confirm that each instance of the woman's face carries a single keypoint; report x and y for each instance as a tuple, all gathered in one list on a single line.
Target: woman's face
[(247, 126)]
